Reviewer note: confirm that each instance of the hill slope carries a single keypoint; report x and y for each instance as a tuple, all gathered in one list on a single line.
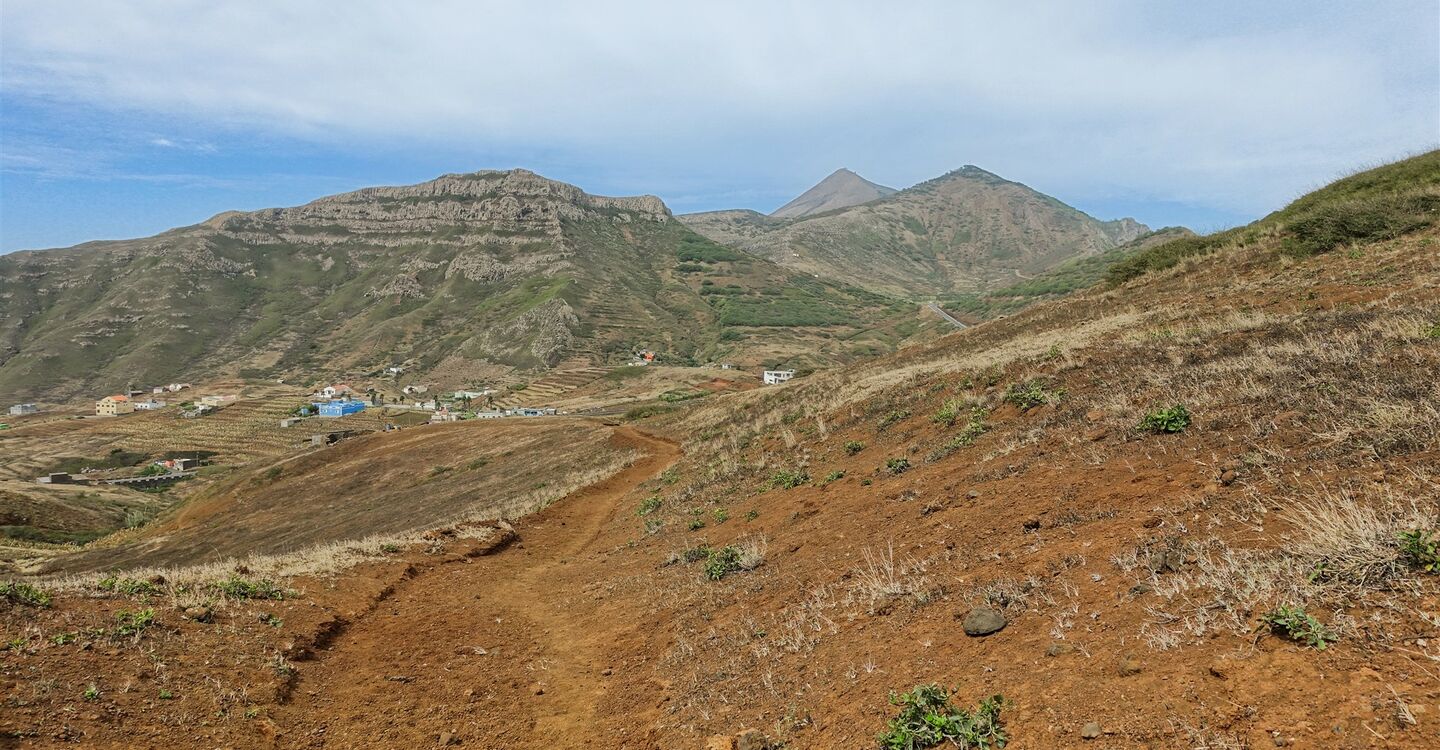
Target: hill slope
[(476, 274), (842, 189), (1019, 509), (966, 231)]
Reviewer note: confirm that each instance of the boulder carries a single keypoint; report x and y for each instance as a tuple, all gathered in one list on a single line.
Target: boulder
[(982, 621)]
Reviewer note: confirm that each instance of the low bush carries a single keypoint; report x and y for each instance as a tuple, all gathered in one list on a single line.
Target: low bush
[(898, 465), (236, 587), (893, 417), (853, 447), (929, 719), (1172, 420), (19, 592), (133, 623), (1032, 393), (1294, 623), (1422, 549), (649, 505), (127, 586), (789, 480)]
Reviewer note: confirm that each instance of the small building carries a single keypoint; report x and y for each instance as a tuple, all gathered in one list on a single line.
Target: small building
[(333, 391), (218, 401), (462, 395), (177, 387), (444, 415), (149, 405), (289, 421), (491, 414), (186, 464), (341, 408), (20, 410), (775, 377), (114, 406), (414, 389), (58, 477)]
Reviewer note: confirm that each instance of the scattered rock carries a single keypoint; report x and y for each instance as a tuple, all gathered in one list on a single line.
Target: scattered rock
[(1059, 648), (1219, 669), (720, 742), (1165, 561), (537, 690), (1097, 434), (1141, 588), (972, 494), (751, 739), (1090, 731), (1129, 665), (606, 672), (199, 614), (1031, 524), (447, 739), (1228, 477), (400, 678), (983, 621)]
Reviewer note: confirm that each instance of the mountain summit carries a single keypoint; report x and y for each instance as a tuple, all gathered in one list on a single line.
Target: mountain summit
[(842, 189)]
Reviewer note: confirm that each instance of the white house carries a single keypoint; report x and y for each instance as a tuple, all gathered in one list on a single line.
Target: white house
[(494, 414), (150, 405), (177, 387), (20, 410), (773, 377), (473, 394), (415, 389)]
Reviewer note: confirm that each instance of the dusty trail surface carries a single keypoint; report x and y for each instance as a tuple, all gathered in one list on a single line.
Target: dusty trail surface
[(495, 652)]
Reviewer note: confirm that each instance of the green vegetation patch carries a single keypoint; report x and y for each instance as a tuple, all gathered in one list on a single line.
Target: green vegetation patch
[(1170, 420), (928, 719), (19, 592), (1294, 623)]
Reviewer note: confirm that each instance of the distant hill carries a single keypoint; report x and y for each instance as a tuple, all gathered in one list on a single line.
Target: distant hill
[(966, 231), (472, 275), (842, 189)]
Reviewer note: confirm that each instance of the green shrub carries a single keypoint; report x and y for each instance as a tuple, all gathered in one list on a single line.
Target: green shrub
[(853, 447), (1422, 549), (649, 505), (1172, 420), (720, 515), (19, 592), (697, 524), (973, 429), (722, 562), (898, 465), (789, 480), (948, 413), (1359, 220), (889, 419), (92, 692), (236, 587), (695, 553), (133, 623), (1295, 624), (1032, 393), (834, 476), (127, 586), (929, 719)]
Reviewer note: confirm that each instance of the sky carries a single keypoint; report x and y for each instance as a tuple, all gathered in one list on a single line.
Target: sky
[(125, 118)]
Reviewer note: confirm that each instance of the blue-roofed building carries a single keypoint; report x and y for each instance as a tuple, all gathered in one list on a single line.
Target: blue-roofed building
[(340, 408)]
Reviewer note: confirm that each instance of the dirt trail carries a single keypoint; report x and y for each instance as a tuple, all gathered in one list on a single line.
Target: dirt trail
[(507, 650)]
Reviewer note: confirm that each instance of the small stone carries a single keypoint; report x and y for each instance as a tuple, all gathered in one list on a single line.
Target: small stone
[(1059, 649), (1141, 588), (198, 614), (606, 672), (1097, 434), (1281, 742), (751, 739), (1218, 669), (1130, 665), (1031, 524), (972, 494), (983, 621), (446, 739), (720, 742), (537, 690), (1228, 477), (1090, 731)]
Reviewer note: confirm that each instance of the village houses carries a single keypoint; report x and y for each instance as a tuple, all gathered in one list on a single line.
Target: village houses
[(114, 406)]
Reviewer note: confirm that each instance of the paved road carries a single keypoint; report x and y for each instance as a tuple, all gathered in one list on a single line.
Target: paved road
[(941, 312)]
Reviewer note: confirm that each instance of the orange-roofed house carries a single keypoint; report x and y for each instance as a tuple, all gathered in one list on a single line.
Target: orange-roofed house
[(114, 406)]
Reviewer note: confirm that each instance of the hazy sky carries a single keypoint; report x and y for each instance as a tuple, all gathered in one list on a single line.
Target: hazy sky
[(123, 118)]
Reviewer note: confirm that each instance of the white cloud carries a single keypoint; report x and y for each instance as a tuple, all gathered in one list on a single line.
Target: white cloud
[(1115, 96)]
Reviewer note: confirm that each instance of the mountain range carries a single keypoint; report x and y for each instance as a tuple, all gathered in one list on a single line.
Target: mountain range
[(473, 278)]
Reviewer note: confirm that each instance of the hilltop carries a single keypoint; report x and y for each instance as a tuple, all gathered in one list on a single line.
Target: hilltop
[(841, 189), (966, 231), (478, 277)]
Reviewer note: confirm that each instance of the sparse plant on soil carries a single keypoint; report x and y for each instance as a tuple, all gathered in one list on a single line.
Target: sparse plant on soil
[(1422, 549), (789, 480), (897, 465), (166, 695), (752, 515), (236, 587), (894, 416), (92, 692), (928, 719), (653, 525), (127, 586), (834, 476), (1294, 623), (1170, 421), (697, 524), (19, 592), (854, 446), (695, 553), (1433, 332), (61, 639), (129, 623), (948, 413), (746, 554), (649, 505), (389, 548), (720, 515), (1031, 393), (974, 428), (272, 620)]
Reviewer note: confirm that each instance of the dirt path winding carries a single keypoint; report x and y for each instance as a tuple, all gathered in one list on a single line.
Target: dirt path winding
[(507, 650)]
